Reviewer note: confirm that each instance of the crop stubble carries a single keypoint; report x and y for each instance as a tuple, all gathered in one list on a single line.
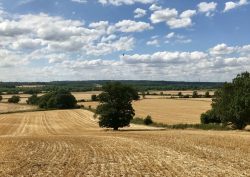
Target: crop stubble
[(69, 143)]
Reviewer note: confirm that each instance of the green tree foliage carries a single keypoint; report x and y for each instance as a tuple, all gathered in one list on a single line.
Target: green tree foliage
[(14, 99), (33, 100), (231, 103), (115, 109), (195, 94), (180, 94), (148, 120), (207, 94), (94, 98), (209, 117), (60, 99)]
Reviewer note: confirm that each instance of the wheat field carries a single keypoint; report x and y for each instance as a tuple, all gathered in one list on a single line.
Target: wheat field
[(69, 143)]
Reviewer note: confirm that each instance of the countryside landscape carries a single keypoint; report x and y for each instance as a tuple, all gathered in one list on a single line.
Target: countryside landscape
[(135, 88)]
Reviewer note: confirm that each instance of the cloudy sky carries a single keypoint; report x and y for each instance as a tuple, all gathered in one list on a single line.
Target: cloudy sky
[(45, 40)]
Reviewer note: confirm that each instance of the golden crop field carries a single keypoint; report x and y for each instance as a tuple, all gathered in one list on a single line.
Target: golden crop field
[(69, 143), (172, 111), (8, 107)]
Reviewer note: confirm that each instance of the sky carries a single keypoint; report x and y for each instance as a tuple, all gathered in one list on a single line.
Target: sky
[(173, 40)]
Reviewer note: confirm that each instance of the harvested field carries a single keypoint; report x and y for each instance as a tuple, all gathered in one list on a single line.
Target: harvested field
[(184, 92), (69, 143), (8, 107), (172, 111), (85, 95)]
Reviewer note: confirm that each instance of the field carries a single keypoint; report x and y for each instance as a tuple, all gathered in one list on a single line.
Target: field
[(69, 143), (168, 111), (7, 107), (172, 111)]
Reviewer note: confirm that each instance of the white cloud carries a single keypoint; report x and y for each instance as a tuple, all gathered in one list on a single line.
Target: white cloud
[(176, 38), (222, 49), (172, 18), (207, 8), (125, 2), (232, 5), (128, 26), (80, 1), (139, 13), (154, 42), (155, 7)]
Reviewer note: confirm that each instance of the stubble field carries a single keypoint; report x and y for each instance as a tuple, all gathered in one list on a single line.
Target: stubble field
[(69, 143)]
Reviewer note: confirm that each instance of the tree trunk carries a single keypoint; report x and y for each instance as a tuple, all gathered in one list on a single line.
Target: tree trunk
[(115, 129)]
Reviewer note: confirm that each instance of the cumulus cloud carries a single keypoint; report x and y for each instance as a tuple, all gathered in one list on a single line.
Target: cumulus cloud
[(207, 7), (232, 5), (155, 7), (153, 42), (125, 2), (172, 18), (128, 26), (176, 38), (139, 13)]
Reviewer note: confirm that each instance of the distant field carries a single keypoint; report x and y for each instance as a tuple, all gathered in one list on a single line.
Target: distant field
[(169, 111), (7, 107), (184, 92), (172, 111), (70, 143)]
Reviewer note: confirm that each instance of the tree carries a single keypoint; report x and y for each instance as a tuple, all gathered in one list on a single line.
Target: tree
[(143, 95), (115, 109), (148, 120), (232, 102), (210, 117), (195, 94), (33, 100), (14, 99), (180, 94), (93, 97), (207, 94), (60, 99)]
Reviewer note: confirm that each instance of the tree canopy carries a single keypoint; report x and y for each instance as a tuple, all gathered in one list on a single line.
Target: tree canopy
[(60, 99), (231, 103), (115, 109)]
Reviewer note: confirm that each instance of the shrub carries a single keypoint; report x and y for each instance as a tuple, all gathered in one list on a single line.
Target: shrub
[(195, 94), (207, 95), (33, 100), (180, 94), (186, 96), (209, 117), (1, 97), (148, 120), (14, 99), (58, 99), (94, 98), (137, 120)]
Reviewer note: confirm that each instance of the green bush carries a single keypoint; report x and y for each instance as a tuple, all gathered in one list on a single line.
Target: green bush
[(137, 120), (209, 117), (195, 94), (33, 100), (58, 99), (94, 98), (14, 99), (148, 120)]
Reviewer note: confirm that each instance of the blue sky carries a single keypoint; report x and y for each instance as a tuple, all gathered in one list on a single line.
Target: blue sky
[(45, 40)]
